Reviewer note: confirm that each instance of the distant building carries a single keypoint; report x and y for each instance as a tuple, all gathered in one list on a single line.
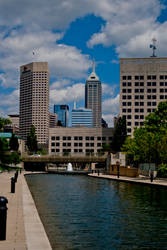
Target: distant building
[(14, 126), (52, 120), (62, 111), (93, 96), (78, 140), (82, 117), (104, 124), (34, 100)]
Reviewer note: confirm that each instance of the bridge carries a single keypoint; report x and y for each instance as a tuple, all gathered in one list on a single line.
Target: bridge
[(40, 162)]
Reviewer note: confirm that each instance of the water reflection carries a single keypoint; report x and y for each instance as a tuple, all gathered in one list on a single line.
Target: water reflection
[(85, 213)]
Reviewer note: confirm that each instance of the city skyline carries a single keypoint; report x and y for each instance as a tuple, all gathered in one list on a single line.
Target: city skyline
[(104, 31)]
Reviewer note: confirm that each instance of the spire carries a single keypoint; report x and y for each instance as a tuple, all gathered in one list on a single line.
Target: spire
[(93, 75), (93, 65)]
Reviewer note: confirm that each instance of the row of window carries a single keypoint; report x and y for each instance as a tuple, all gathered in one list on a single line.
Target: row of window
[(57, 150), (79, 138), (136, 123), (141, 77), (141, 84), (53, 144)]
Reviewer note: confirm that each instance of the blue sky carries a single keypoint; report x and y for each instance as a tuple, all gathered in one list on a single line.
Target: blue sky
[(69, 34)]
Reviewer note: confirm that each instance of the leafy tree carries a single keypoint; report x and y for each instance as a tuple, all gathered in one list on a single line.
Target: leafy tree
[(15, 158), (3, 122), (120, 134), (150, 141), (32, 140), (13, 143)]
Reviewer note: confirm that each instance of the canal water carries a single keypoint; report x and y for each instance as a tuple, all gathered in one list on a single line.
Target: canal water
[(80, 212)]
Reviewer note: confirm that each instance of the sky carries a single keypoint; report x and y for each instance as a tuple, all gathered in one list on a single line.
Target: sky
[(69, 34)]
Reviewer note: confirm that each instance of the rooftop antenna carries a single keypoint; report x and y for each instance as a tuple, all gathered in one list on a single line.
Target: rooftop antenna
[(93, 65), (153, 47)]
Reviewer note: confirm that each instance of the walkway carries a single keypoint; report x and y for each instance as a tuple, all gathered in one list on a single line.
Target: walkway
[(141, 180), (24, 228)]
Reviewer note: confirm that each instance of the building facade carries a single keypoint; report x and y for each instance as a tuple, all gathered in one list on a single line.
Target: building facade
[(143, 84), (52, 120), (80, 140), (62, 111), (82, 117), (34, 100), (93, 97)]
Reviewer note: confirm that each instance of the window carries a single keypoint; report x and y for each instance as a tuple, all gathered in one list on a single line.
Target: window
[(161, 77), (80, 144), (136, 90), (136, 103), (148, 90), (129, 123), (75, 138), (124, 110), (154, 103), (124, 97), (154, 84), (129, 110), (161, 90), (129, 90), (80, 138), (141, 110), (123, 90), (136, 77), (124, 104), (124, 84), (141, 83), (53, 138), (52, 150), (136, 97), (57, 144), (98, 144), (128, 116), (148, 83), (64, 144), (149, 97), (69, 138), (87, 138), (141, 116), (141, 103), (129, 84), (161, 83), (148, 103), (57, 138), (129, 104), (129, 130), (52, 144), (92, 138), (136, 110), (141, 123), (148, 110), (136, 84), (57, 150), (136, 123), (136, 117), (129, 97), (124, 77), (64, 138), (98, 138), (129, 77)]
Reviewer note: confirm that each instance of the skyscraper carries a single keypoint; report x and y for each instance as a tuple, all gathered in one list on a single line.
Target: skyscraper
[(143, 84), (93, 95), (62, 111), (82, 117), (34, 100)]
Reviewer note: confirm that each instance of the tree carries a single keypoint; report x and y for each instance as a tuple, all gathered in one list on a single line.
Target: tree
[(3, 122), (119, 135), (13, 143), (32, 140), (150, 141)]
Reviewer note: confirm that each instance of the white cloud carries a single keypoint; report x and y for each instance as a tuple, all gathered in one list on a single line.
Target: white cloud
[(10, 102), (67, 94), (111, 105)]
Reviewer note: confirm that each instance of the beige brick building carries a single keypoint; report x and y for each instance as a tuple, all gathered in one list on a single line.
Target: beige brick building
[(78, 140), (143, 84), (34, 100)]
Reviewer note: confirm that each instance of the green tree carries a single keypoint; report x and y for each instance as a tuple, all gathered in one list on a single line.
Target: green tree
[(32, 140), (150, 141), (119, 135), (15, 158), (3, 122), (13, 143)]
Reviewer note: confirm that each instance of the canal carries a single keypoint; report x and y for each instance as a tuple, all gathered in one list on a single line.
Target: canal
[(82, 213)]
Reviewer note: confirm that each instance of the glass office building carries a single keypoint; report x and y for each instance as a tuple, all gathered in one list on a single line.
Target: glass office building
[(62, 111), (82, 117)]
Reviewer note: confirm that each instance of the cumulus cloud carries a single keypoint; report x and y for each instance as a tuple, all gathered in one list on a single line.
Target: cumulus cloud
[(70, 94), (10, 102), (111, 105)]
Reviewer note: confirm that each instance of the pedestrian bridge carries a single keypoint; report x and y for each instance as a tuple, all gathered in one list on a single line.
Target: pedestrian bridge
[(42, 161)]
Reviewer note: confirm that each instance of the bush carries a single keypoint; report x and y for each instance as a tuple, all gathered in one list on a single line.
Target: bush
[(162, 170)]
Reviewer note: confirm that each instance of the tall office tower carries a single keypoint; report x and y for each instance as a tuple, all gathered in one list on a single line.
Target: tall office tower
[(143, 84), (62, 111), (82, 117), (34, 100), (93, 95)]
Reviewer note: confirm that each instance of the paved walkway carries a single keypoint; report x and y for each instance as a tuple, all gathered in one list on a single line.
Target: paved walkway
[(141, 180), (24, 228)]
